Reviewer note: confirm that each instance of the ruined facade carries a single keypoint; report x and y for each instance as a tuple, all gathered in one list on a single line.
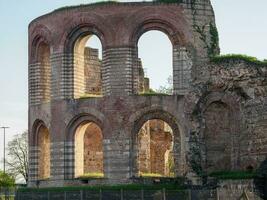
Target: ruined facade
[(86, 114)]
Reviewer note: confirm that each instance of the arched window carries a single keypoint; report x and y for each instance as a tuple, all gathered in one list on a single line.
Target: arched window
[(88, 151), (155, 149), (87, 66), (43, 141), (155, 63)]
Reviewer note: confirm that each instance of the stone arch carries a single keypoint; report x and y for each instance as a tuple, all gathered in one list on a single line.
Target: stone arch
[(86, 156), (226, 125), (80, 57), (79, 31), (181, 47), (177, 146), (40, 67), (40, 34), (42, 141)]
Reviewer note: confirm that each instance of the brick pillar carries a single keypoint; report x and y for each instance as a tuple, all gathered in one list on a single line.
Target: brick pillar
[(116, 158), (118, 71), (33, 165), (182, 65), (39, 82)]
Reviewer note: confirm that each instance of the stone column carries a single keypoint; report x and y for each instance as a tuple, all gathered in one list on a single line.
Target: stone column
[(182, 65), (117, 71)]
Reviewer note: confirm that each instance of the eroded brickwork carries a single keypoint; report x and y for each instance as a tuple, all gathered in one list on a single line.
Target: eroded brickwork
[(217, 112), (93, 149), (155, 148)]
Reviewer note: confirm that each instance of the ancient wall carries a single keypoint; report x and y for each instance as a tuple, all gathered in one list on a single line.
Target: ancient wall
[(155, 148), (216, 107), (93, 149), (92, 72), (44, 153), (231, 97)]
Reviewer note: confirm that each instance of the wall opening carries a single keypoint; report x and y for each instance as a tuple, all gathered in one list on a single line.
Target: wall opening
[(44, 153), (155, 63), (89, 151), (217, 137), (44, 83), (87, 67), (155, 149)]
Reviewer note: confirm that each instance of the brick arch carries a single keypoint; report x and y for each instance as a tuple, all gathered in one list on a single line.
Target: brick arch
[(71, 168), (79, 31), (172, 122), (38, 123), (40, 143), (41, 35), (78, 120), (224, 102), (171, 23)]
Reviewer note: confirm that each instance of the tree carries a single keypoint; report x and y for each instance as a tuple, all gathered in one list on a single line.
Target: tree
[(17, 156), (168, 88), (6, 180)]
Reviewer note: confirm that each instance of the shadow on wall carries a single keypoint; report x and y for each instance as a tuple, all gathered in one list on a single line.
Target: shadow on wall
[(260, 181)]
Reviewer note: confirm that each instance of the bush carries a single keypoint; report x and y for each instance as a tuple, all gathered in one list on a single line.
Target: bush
[(6, 180), (235, 175)]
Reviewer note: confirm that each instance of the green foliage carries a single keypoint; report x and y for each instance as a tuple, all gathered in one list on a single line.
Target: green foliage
[(212, 46), (214, 41), (92, 175), (234, 57), (152, 175), (6, 180), (86, 96), (235, 175)]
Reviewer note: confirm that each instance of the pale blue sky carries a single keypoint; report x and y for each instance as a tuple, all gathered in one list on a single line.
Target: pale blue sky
[(242, 26)]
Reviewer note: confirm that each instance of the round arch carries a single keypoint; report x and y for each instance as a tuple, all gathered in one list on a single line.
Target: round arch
[(229, 102), (42, 140), (41, 35), (82, 31), (78, 120), (177, 139), (82, 156)]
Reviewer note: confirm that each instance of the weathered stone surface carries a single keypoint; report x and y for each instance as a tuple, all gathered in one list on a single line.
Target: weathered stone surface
[(217, 113)]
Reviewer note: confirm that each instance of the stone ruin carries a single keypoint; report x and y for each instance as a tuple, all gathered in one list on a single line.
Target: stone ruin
[(91, 117)]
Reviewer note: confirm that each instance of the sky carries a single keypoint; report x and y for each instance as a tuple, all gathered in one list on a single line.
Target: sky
[(242, 26)]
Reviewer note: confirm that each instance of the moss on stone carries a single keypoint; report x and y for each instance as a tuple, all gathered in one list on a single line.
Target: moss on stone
[(238, 57)]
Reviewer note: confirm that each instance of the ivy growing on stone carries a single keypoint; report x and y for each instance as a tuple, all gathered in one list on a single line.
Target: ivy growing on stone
[(212, 45)]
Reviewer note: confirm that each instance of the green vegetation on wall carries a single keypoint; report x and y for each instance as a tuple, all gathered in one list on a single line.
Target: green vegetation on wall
[(236, 57), (233, 175), (212, 43)]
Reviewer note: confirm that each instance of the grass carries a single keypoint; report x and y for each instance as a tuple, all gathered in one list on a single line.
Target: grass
[(86, 96), (155, 175), (152, 175), (91, 175), (233, 175), (234, 57)]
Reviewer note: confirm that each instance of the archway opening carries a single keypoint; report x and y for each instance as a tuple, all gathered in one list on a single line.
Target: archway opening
[(44, 86), (155, 149), (155, 65), (89, 151), (87, 67), (217, 136), (43, 142)]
